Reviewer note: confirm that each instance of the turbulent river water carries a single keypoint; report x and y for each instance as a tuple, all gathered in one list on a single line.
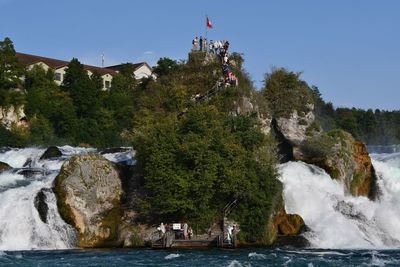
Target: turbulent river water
[(343, 230), (338, 220)]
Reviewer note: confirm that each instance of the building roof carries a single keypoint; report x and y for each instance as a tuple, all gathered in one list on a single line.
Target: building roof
[(28, 59), (134, 65)]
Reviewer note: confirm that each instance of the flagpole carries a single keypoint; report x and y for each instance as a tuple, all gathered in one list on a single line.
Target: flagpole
[(206, 32)]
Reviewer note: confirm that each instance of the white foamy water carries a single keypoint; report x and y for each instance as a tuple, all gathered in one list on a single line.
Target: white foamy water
[(127, 157), (338, 220), (16, 158), (172, 256), (21, 227)]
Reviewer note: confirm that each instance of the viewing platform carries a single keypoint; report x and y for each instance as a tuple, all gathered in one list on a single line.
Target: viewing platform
[(169, 240)]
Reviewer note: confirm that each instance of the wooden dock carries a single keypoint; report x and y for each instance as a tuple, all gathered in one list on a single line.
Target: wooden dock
[(169, 241)]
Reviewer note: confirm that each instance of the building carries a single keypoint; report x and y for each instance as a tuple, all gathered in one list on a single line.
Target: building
[(141, 70), (59, 67)]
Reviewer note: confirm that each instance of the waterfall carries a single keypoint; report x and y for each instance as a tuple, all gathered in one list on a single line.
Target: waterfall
[(341, 221), (21, 227)]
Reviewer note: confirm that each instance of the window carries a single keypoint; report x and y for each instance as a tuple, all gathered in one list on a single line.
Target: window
[(107, 84), (58, 76)]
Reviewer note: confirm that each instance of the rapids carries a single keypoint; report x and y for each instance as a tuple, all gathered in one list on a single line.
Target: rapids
[(21, 227), (340, 221)]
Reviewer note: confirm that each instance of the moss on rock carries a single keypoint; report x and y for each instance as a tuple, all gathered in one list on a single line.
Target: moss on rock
[(343, 158), (88, 192)]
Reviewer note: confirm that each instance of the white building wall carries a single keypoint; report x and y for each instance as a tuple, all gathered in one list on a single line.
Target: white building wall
[(61, 72), (107, 80), (142, 72)]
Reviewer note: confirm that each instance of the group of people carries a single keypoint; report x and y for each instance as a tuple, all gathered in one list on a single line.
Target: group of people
[(200, 44), (229, 77), (182, 230), (219, 48), (215, 47)]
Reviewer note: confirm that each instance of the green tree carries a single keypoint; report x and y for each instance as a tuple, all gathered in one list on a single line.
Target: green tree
[(46, 102), (84, 92), (165, 66), (286, 92), (11, 69), (194, 166)]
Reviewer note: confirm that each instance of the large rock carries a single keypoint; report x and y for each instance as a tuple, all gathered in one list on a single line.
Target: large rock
[(287, 224), (295, 128), (4, 167), (41, 204), (88, 193), (344, 158), (281, 224), (51, 152), (364, 179)]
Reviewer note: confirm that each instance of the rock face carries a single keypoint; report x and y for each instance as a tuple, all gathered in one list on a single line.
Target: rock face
[(281, 225), (364, 178), (289, 224), (294, 128), (337, 152), (4, 167), (245, 105), (287, 230), (10, 116), (88, 193), (344, 158), (292, 131), (51, 152)]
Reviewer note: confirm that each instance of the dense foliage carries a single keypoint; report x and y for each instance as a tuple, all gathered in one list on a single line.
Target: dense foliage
[(286, 92), (195, 157), (374, 127), (78, 112)]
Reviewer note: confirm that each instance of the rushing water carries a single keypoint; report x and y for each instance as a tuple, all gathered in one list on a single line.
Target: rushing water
[(343, 230), (212, 257), (338, 220)]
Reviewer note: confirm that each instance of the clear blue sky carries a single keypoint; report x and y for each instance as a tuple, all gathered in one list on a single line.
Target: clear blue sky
[(349, 49)]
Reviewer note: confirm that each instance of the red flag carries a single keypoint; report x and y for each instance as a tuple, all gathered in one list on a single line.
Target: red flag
[(209, 25)]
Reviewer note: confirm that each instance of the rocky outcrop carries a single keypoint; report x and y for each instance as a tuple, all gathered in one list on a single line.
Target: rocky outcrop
[(11, 115), (245, 105), (88, 193), (51, 152), (294, 128), (4, 167), (292, 131), (132, 234), (287, 229), (300, 138), (282, 224), (41, 204), (288, 224), (344, 158), (364, 177)]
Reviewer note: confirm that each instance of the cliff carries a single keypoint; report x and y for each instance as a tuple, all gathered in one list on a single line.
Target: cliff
[(12, 115)]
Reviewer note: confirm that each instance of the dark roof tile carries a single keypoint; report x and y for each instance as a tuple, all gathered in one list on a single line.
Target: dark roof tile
[(28, 59)]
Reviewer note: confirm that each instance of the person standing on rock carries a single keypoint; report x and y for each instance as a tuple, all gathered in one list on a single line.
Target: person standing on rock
[(201, 43), (195, 43)]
